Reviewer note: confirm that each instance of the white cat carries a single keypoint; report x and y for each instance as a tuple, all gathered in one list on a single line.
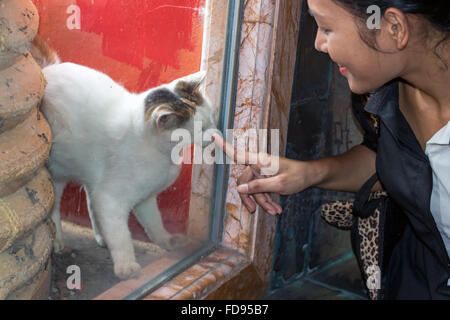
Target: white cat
[(118, 146)]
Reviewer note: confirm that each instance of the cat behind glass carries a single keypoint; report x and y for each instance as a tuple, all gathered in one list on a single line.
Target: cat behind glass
[(118, 146)]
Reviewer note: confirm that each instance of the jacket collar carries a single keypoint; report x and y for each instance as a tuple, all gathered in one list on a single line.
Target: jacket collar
[(384, 103)]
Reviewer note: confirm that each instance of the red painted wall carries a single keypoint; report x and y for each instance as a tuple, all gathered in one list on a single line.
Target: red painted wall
[(140, 44)]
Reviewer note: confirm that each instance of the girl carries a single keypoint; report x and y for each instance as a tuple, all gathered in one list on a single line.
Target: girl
[(404, 62)]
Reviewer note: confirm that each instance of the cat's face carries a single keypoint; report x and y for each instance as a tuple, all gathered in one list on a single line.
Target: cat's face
[(179, 105)]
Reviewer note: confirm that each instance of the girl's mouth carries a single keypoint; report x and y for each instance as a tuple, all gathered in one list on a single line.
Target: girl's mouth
[(342, 69)]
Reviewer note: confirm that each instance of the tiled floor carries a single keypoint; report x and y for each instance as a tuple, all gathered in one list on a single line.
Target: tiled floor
[(328, 269), (340, 280), (305, 289), (97, 274)]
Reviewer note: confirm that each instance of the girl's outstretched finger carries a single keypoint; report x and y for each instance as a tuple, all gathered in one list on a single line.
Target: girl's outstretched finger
[(239, 157)]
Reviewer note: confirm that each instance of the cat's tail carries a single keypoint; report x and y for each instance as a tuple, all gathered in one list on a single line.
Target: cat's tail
[(43, 54)]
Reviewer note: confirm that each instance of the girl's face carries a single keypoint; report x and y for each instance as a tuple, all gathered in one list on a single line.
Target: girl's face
[(366, 69)]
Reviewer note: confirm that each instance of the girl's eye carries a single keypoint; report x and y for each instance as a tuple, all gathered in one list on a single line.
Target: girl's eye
[(325, 31)]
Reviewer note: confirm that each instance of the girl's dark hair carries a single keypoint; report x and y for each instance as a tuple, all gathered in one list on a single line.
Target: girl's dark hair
[(436, 12)]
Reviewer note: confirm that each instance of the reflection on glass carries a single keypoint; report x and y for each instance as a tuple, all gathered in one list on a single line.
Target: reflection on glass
[(139, 45)]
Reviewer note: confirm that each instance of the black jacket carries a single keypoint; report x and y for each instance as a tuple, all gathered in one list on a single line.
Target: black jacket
[(419, 266)]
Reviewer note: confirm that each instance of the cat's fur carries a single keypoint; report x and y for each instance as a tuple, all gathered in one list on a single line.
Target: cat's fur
[(117, 145)]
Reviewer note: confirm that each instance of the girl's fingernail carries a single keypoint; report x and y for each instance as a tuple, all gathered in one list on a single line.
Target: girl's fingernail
[(243, 188)]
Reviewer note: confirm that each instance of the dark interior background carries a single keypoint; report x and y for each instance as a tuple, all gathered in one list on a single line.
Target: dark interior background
[(313, 259)]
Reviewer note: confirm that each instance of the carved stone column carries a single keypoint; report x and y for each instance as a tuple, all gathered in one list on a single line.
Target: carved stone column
[(26, 190)]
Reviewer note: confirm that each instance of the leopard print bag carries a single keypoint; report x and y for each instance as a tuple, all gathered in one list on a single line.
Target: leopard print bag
[(374, 220), (366, 217)]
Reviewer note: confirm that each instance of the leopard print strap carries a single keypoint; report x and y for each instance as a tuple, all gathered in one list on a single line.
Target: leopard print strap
[(338, 214), (369, 247)]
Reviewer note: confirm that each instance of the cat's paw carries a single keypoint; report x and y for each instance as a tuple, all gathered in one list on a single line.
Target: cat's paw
[(58, 246), (100, 241), (174, 241), (127, 270)]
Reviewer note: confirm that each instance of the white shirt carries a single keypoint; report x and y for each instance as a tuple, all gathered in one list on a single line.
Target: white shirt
[(438, 152)]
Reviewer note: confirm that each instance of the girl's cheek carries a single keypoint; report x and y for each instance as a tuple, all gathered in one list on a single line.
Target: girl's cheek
[(333, 50)]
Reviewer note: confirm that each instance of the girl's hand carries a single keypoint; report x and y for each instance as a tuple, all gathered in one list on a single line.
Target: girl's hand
[(260, 179)]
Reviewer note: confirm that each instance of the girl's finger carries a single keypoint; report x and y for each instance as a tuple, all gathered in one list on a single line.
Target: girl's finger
[(265, 203), (268, 185), (239, 157), (248, 202), (277, 207)]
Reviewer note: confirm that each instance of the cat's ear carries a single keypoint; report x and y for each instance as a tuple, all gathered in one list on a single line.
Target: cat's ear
[(191, 83), (165, 118)]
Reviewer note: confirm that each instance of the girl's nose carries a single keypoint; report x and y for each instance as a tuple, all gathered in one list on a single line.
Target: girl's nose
[(321, 42)]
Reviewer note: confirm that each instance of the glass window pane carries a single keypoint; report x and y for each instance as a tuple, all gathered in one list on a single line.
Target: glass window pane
[(140, 45)]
